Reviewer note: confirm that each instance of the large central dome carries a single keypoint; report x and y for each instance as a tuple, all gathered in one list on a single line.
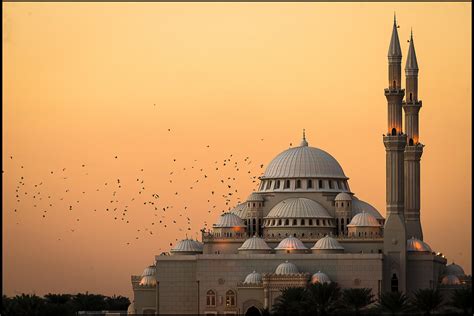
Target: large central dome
[(304, 162)]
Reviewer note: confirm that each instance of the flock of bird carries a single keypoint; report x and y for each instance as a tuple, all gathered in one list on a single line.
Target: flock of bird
[(122, 199)]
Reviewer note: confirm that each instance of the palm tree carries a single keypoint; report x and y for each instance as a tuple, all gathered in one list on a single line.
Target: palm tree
[(59, 305), (290, 301), (427, 300), (461, 299), (322, 298), (89, 302), (117, 302), (27, 305), (356, 299), (7, 306), (393, 303)]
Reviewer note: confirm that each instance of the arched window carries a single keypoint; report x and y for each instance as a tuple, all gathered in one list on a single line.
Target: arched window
[(310, 184), (287, 222), (320, 184), (279, 222), (343, 186), (211, 298), (269, 185), (294, 222), (310, 222), (298, 184), (394, 131), (303, 222), (410, 142), (317, 222), (394, 84), (277, 184), (411, 97), (253, 204), (230, 298), (342, 204), (330, 184), (394, 283), (287, 184)]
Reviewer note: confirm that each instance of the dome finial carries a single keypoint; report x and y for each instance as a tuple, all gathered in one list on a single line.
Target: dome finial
[(304, 143)]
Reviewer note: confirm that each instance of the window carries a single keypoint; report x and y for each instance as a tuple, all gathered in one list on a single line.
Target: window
[(269, 185), (303, 222), (253, 204), (336, 185), (279, 222), (277, 184), (320, 184), (411, 96), (310, 184), (287, 184), (394, 283), (294, 222), (310, 222), (229, 298), (287, 222), (343, 186), (330, 184), (298, 184), (211, 298), (317, 222)]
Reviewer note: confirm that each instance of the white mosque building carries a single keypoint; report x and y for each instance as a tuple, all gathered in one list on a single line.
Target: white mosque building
[(304, 224)]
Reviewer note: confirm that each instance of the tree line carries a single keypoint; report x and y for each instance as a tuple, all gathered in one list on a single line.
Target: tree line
[(60, 304), (329, 299)]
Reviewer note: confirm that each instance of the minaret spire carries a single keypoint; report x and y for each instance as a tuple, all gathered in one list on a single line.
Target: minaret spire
[(414, 149), (304, 143)]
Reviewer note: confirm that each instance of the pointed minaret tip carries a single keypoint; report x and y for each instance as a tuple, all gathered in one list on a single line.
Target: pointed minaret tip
[(394, 50), (412, 63)]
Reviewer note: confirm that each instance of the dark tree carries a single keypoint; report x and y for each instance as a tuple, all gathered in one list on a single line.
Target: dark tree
[(427, 300), (461, 299), (289, 302), (89, 302), (117, 303), (394, 303), (356, 299), (322, 298)]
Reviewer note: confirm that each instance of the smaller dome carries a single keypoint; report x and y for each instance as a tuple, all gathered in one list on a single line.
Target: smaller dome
[(239, 210), (320, 277), (454, 269), (253, 278), (327, 243), (291, 243), (255, 197), (286, 268), (416, 245), (131, 309), (149, 271), (187, 245), (363, 220), (148, 280), (450, 280), (343, 196), (229, 220), (254, 243)]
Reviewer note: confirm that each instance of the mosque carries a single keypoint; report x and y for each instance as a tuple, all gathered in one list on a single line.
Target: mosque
[(304, 224)]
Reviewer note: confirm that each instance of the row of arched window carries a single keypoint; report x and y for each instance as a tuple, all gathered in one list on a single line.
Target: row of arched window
[(297, 184), (298, 222), (230, 298)]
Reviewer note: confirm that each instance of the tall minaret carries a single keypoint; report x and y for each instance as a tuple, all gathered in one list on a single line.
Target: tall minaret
[(414, 148), (395, 142)]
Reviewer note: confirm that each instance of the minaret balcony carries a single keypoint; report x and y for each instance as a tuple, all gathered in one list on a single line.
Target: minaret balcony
[(412, 103), (394, 91)]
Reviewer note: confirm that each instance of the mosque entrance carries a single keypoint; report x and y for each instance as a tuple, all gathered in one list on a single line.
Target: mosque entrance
[(252, 311)]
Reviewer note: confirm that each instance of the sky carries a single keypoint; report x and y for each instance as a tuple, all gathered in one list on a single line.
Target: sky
[(129, 126)]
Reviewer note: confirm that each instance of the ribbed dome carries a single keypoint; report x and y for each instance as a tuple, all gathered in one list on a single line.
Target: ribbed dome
[(343, 196), (363, 220), (450, 280), (327, 243), (359, 206), (303, 161), (286, 268), (416, 245), (255, 197), (148, 280), (320, 277), (240, 210), (454, 269), (253, 278), (254, 243), (298, 208), (150, 270), (291, 243), (229, 220), (187, 245)]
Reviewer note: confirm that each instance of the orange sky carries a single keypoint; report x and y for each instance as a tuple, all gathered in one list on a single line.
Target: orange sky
[(85, 82)]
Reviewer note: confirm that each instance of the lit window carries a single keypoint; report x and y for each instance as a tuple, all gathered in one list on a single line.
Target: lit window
[(211, 298), (229, 298)]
